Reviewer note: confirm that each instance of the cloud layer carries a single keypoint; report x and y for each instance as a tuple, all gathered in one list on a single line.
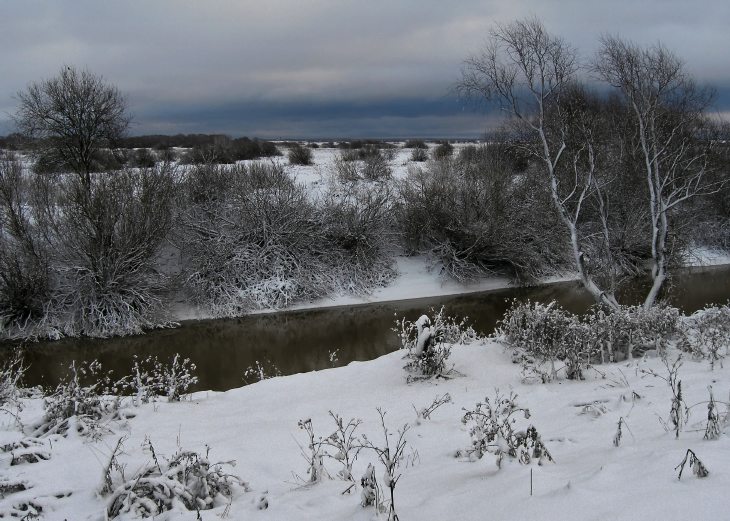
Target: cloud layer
[(288, 68)]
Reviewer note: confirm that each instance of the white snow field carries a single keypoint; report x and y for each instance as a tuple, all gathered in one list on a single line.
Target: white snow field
[(590, 479)]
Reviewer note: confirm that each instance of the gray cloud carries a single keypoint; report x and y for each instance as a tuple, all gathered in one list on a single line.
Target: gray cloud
[(284, 66)]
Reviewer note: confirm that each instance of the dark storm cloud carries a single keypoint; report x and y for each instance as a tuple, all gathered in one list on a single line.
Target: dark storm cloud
[(293, 67)]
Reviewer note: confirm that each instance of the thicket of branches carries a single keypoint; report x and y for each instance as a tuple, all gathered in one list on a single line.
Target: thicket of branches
[(476, 216)]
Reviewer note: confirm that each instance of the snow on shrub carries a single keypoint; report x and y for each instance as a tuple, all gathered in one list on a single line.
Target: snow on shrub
[(545, 334), (706, 333), (428, 342), (151, 378), (77, 406), (492, 427), (188, 481)]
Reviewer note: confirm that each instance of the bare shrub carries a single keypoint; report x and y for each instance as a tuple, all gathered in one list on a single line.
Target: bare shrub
[(299, 155), (250, 239), (105, 239), (444, 150), (419, 155), (24, 263), (357, 222), (475, 221), (11, 372), (391, 455), (416, 144)]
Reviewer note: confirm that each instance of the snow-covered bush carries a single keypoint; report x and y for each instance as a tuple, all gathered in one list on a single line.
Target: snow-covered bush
[(428, 342), (151, 377), (78, 254), (474, 221), (250, 239), (188, 481), (79, 404), (260, 371), (24, 269), (706, 333), (546, 334), (357, 220), (492, 427), (543, 334)]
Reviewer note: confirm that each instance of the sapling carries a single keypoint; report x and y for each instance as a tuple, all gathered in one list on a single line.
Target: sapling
[(390, 456)]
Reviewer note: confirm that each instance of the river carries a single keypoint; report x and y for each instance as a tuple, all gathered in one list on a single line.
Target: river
[(298, 341)]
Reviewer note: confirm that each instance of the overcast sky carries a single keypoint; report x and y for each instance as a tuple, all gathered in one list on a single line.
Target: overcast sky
[(319, 68)]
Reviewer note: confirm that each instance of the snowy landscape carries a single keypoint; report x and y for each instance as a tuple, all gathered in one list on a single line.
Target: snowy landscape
[(610, 447), (196, 324)]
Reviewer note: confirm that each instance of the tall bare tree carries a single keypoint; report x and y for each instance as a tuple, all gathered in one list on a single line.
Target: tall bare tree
[(73, 115), (668, 117), (529, 72)]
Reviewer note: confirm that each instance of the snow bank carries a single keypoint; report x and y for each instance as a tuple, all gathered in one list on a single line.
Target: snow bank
[(257, 426)]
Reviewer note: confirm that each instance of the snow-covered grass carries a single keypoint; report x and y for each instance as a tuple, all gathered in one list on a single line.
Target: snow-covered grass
[(257, 426)]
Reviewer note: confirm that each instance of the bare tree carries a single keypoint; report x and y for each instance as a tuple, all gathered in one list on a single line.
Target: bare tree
[(668, 118), (73, 114), (528, 71)]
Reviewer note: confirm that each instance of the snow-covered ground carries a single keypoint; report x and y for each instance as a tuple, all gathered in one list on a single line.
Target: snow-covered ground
[(257, 426)]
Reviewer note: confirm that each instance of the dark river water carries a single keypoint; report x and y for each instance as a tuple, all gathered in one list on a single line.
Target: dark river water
[(299, 341)]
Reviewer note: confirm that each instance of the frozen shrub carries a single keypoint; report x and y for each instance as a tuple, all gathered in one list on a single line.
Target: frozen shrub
[(428, 342), (299, 155), (706, 333), (357, 223), (472, 221), (492, 427), (176, 378), (79, 404), (25, 284), (151, 378), (143, 158), (419, 155), (375, 167), (546, 334), (250, 239), (188, 481), (443, 151)]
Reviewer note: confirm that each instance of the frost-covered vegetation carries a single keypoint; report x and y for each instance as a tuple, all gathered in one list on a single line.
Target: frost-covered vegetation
[(101, 235), (644, 423)]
